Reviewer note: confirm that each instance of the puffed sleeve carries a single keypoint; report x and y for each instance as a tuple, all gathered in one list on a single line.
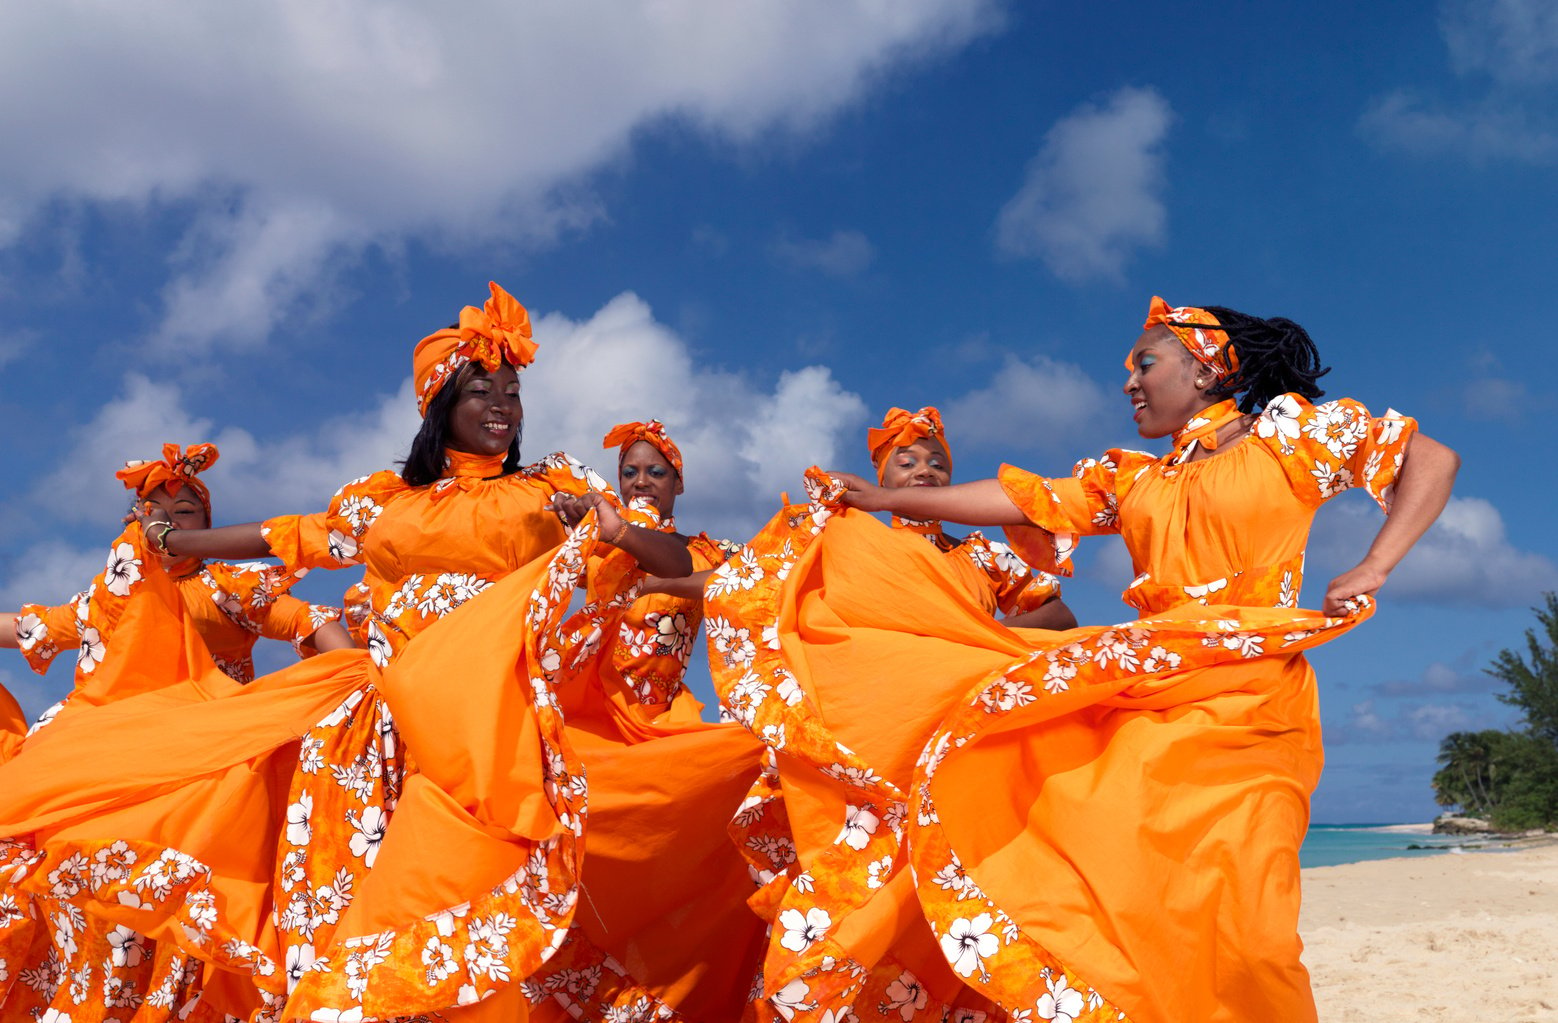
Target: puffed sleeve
[(563, 474), (1018, 587), (43, 631), (255, 597), (1060, 509), (1326, 449), (333, 538)]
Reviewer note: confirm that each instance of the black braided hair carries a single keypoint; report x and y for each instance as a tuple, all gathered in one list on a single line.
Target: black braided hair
[(1275, 356), (425, 462)]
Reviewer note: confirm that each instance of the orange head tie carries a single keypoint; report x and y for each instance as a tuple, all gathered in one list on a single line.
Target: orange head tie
[(496, 333), (1198, 331), (625, 435), (900, 428), (175, 470)]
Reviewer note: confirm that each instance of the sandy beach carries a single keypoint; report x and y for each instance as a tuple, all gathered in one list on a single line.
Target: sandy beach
[(1470, 936)]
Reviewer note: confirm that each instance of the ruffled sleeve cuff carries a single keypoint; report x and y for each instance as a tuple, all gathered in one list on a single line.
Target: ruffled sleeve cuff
[(42, 631)]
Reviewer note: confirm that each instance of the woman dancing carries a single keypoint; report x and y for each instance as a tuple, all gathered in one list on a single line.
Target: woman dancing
[(909, 449), (657, 633), (230, 607), (1107, 825)]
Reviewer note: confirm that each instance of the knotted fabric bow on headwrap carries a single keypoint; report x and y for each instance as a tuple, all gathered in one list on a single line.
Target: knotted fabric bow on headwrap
[(900, 428), (176, 469), (1197, 331), (496, 333), (625, 435)]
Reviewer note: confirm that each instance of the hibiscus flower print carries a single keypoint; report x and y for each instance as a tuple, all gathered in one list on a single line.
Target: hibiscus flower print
[(368, 832), (379, 650), (92, 650), (299, 824), (127, 948), (789, 999), (30, 630), (1280, 420), (1331, 480), (1062, 1003), (801, 931), (905, 996), (123, 570), (968, 943), (859, 825)]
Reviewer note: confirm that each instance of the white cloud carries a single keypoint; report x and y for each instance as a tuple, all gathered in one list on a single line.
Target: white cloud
[(1419, 721), (841, 254), (1093, 194), (1465, 558), (1477, 132), (1036, 404), (1511, 41), (296, 134), (1506, 53), (743, 443)]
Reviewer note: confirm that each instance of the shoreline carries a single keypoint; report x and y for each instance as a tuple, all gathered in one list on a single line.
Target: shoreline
[(1432, 937)]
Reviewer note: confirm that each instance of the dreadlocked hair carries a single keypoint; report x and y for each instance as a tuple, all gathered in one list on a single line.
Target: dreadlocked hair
[(424, 464), (1275, 356)]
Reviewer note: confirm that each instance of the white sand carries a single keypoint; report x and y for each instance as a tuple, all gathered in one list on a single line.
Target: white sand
[(1470, 936)]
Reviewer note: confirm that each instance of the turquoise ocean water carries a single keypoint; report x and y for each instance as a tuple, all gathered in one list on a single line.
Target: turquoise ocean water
[(1329, 844)]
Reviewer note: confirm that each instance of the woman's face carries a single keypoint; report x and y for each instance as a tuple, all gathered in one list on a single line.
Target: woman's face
[(645, 472), (921, 464), (1167, 385), (183, 509), (487, 412)]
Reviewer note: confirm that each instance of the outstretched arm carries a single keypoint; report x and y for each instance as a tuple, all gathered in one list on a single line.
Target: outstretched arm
[(241, 541), (981, 503), (661, 554), (8, 638), (1422, 489), (329, 636)]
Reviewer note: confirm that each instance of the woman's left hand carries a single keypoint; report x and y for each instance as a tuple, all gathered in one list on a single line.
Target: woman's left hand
[(1363, 581)]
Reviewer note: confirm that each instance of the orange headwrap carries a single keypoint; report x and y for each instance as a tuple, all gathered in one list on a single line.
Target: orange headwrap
[(177, 469), (901, 428), (1196, 330), (496, 333), (625, 435)]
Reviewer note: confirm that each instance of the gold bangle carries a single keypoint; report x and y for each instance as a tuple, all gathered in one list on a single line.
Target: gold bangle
[(616, 537)]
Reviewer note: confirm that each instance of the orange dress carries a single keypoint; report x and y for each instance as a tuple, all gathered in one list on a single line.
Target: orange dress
[(66, 961), (1103, 823), (373, 842), (107, 967)]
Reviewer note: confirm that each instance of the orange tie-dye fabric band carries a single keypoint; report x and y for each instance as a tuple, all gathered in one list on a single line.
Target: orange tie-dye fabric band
[(901, 428), (625, 435), (176, 469), (1197, 331), (496, 333)]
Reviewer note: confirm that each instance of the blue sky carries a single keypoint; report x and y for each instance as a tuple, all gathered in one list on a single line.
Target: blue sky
[(768, 223)]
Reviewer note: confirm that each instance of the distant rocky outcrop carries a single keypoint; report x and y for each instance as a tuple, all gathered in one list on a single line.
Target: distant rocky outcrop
[(1452, 825)]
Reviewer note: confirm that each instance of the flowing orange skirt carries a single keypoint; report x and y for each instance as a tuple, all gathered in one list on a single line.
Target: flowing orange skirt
[(1102, 824)]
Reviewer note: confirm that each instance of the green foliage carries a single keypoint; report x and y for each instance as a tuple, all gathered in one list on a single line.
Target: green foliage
[(1511, 777), (1534, 685)]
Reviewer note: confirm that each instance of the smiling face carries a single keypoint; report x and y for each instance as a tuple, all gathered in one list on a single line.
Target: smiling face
[(487, 412), (645, 472), (921, 464), (1167, 385)]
